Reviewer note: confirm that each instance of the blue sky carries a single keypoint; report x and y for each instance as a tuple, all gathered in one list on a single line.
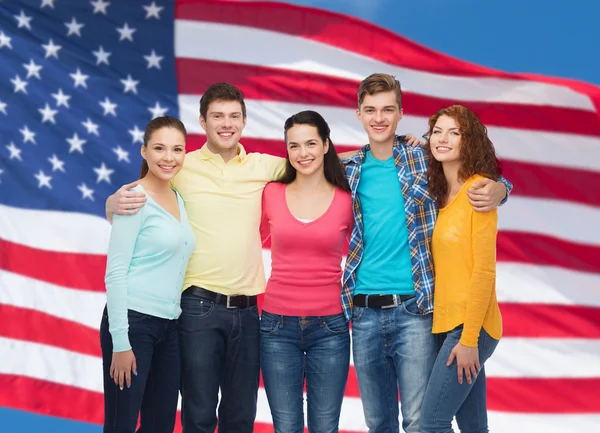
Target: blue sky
[(549, 37)]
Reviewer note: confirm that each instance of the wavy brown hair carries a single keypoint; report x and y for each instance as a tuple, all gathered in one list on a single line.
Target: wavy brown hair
[(477, 153)]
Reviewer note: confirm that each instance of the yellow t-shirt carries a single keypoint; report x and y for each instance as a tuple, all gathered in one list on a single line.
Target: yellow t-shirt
[(464, 256), (223, 203)]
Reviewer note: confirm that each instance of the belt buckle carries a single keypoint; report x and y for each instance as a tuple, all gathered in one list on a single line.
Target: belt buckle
[(229, 303), (394, 304)]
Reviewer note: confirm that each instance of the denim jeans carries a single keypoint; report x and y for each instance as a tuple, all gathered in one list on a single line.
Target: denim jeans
[(155, 390), (220, 349), (294, 349), (392, 347), (446, 398)]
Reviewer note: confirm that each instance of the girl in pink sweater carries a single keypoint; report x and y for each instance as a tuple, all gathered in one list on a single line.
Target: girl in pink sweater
[(304, 334)]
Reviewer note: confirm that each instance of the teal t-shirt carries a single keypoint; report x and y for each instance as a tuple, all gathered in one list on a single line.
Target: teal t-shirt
[(385, 267)]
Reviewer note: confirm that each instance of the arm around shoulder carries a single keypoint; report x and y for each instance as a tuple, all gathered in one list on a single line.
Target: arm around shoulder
[(124, 201)]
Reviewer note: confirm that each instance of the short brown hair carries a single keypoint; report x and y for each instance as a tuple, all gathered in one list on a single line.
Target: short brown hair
[(477, 153), (221, 92), (378, 83)]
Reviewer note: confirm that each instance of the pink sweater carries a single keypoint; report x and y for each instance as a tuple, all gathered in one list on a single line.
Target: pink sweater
[(306, 258)]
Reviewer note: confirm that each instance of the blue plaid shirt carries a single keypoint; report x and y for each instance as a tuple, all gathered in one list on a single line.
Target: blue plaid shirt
[(421, 213)]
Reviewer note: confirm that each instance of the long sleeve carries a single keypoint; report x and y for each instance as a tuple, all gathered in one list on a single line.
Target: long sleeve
[(481, 284), (125, 230), (509, 187)]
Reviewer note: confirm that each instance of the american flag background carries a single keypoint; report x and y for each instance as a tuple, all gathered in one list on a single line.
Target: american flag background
[(80, 79)]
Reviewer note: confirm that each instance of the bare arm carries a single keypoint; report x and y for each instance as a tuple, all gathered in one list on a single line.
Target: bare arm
[(124, 201), (486, 195)]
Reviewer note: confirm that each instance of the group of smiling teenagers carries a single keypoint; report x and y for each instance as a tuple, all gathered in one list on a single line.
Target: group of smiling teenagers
[(415, 223)]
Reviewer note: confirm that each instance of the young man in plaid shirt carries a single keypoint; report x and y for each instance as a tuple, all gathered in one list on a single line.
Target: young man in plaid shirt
[(389, 270)]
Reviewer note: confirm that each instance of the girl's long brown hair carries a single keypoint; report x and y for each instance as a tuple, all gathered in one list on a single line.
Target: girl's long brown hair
[(477, 153)]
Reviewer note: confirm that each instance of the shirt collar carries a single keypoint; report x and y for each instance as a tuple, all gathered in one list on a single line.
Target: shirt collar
[(206, 154)]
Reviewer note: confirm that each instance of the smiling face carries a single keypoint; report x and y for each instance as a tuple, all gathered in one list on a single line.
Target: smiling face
[(445, 140), (379, 113), (306, 150), (164, 153), (223, 124)]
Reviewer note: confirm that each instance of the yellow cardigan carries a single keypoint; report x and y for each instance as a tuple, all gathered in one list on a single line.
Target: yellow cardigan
[(464, 256)]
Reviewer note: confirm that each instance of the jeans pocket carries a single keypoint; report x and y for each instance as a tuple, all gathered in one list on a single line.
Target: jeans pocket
[(269, 323), (335, 324), (357, 313), (411, 307), (196, 307)]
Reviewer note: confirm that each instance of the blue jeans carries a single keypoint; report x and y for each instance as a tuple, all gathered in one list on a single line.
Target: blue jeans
[(220, 349), (446, 398), (155, 390), (392, 347), (315, 348)]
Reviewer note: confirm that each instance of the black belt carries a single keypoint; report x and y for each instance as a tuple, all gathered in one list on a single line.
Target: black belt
[(235, 301), (380, 301)]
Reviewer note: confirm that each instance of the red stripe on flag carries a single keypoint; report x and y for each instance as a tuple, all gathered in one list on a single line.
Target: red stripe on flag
[(47, 398), (273, 84), (550, 321), (39, 327), (85, 271), (521, 247), (551, 182)]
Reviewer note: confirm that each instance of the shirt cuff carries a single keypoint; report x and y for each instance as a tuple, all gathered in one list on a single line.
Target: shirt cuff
[(120, 342)]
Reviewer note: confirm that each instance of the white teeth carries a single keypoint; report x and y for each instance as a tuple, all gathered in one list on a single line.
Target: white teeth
[(226, 134), (304, 162)]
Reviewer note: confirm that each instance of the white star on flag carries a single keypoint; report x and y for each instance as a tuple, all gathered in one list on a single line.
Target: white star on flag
[(137, 134), (153, 11), (92, 128), (20, 85), (130, 85), (61, 98), (109, 107), (79, 78), (153, 60), (76, 143), (74, 28), (33, 69), (27, 134), (23, 20), (103, 173), (157, 110), (48, 114), (101, 56), (15, 152), (49, 3), (57, 164), (86, 192), (3, 106), (43, 180), (100, 6), (5, 41), (122, 154), (51, 49), (126, 32)]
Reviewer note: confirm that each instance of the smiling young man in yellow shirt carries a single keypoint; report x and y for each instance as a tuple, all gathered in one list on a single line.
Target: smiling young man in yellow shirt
[(219, 332)]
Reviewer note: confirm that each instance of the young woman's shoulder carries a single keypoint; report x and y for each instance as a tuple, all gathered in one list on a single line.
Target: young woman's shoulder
[(273, 188), (475, 178)]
